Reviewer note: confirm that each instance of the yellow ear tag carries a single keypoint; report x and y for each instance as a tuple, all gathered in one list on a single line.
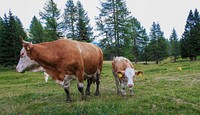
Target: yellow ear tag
[(27, 48), (119, 75), (140, 74)]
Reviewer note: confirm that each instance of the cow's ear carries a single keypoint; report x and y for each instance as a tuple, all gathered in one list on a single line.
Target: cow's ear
[(138, 72), (27, 46), (120, 73)]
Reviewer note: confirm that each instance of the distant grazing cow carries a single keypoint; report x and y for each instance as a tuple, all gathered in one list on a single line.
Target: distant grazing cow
[(66, 59), (26, 64), (124, 74)]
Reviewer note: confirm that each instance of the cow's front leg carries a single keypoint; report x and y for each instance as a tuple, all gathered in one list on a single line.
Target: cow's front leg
[(68, 98), (65, 84), (123, 90), (117, 85), (131, 91), (46, 76)]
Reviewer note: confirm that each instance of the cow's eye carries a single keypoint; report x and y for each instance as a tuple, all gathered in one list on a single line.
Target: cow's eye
[(22, 55)]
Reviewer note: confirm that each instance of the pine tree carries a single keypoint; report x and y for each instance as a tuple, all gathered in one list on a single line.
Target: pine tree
[(83, 28), (186, 46), (2, 29), (112, 22), (174, 45), (10, 45), (139, 38), (195, 34), (158, 44), (70, 19), (190, 40), (3, 43), (184, 40), (144, 55), (2, 34), (36, 30), (50, 17)]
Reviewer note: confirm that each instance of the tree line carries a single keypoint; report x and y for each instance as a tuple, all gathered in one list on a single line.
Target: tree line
[(119, 33)]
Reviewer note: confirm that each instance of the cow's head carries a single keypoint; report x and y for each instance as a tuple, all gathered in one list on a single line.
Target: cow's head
[(28, 46), (25, 63), (129, 74)]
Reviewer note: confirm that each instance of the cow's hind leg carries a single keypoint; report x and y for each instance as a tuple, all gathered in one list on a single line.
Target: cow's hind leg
[(89, 82), (131, 91), (68, 98), (80, 75), (98, 76), (80, 88), (117, 84)]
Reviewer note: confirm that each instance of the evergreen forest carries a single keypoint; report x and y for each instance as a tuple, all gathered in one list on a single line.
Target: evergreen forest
[(119, 33)]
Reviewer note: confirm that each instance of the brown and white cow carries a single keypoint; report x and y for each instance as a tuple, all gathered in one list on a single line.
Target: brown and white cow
[(66, 59), (124, 74), (26, 64)]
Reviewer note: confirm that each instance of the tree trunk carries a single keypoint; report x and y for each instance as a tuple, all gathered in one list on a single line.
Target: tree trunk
[(135, 60), (174, 58), (146, 62), (191, 58), (157, 61), (195, 58)]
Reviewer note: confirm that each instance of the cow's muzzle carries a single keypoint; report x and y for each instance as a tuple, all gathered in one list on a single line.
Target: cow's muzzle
[(130, 85)]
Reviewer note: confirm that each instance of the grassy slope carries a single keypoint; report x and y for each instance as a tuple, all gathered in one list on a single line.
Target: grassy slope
[(162, 89)]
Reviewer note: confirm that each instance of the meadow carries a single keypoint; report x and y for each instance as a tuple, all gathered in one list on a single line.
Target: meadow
[(162, 89)]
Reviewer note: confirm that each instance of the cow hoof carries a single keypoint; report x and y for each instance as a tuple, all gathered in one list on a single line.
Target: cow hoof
[(119, 93), (87, 93), (83, 98), (97, 94), (68, 100), (124, 96)]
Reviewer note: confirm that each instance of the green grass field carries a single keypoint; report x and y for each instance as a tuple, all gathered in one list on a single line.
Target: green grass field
[(163, 89)]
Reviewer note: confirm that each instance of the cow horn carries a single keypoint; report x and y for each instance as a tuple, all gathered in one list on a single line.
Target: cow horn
[(23, 41)]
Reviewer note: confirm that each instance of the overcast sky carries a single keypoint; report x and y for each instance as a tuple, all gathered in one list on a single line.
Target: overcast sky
[(168, 13)]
